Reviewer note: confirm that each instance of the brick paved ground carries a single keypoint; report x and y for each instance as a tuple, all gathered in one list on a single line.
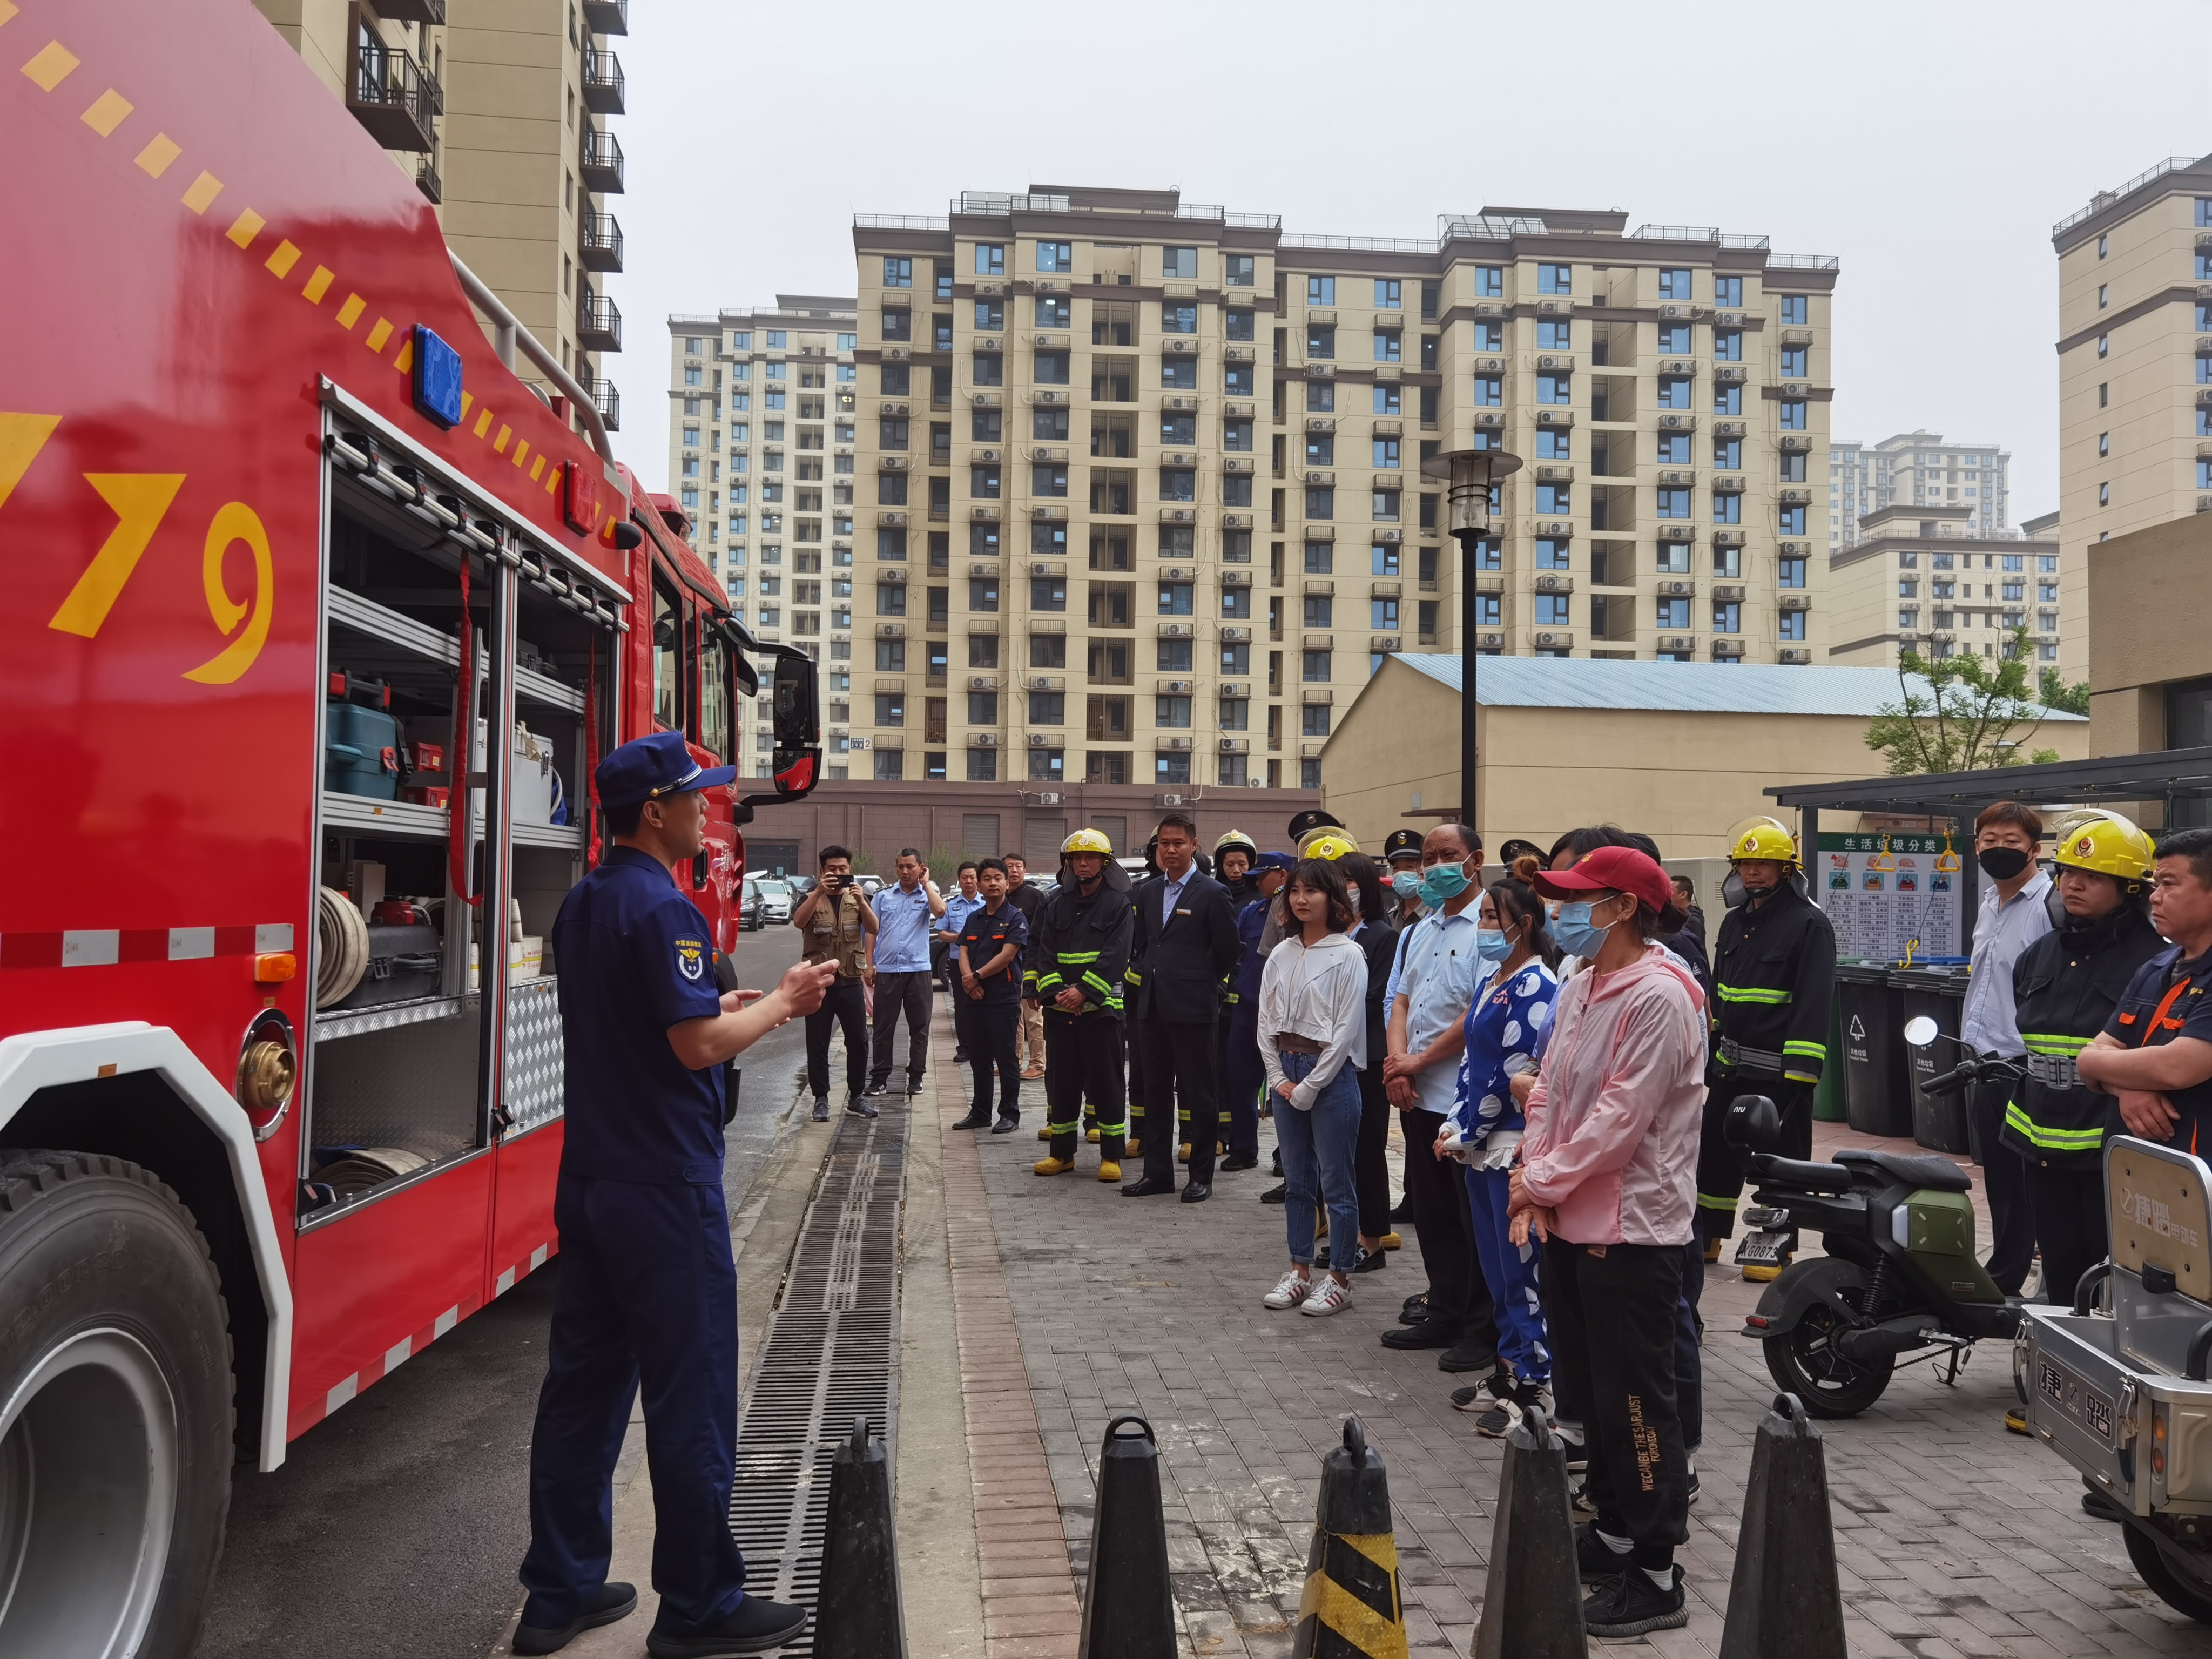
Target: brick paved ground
[(1955, 1537)]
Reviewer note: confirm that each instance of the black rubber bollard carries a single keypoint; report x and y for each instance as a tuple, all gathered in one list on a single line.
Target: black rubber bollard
[(857, 1613), (1785, 1601), (1532, 1602), (1352, 1608), (1128, 1609)]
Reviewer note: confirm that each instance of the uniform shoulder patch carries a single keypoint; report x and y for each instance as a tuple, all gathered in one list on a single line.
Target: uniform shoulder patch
[(690, 957)]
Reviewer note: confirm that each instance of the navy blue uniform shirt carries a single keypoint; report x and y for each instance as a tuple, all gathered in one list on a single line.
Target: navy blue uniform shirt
[(2166, 999), (983, 935), (635, 958)]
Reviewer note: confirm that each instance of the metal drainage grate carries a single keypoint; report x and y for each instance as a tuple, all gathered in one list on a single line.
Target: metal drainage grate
[(827, 1359)]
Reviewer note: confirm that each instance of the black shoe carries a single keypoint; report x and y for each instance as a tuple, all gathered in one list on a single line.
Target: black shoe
[(1597, 1560), (614, 1601), (975, 1120), (821, 1109), (959, 1057), (1419, 1336), (914, 1088), (1414, 1309), (1275, 1161), (1468, 1353), (1629, 1604), (1274, 1194), (1230, 1165), (860, 1108), (1404, 1211), (1369, 1262), (757, 1626), (1196, 1191), (1005, 1125), (881, 1085), (1148, 1187)]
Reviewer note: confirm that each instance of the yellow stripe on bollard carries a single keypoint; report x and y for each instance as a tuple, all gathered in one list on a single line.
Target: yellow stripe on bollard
[(1351, 1608)]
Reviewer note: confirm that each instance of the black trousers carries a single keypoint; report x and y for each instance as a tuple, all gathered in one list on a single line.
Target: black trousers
[(846, 1006), (1444, 1226), (898, 993), (1083, 1067), (2069, 1205), (1720, 1179), (2004, 1181), (1371, 1172), (1610, 1312), (987, 1030), (1177, 1062)]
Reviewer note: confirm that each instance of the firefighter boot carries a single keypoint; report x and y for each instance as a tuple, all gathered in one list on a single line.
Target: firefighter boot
[(1110, 1138), (1063, 1148)]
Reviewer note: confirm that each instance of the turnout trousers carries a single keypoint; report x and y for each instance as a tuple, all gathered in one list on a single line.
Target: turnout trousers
[(1720, 1179), (1083, 1073), (646, 1299)]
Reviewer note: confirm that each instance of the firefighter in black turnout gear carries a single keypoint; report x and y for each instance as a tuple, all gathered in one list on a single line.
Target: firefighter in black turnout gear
[(1074, 969), (1774, 973), (2066, 986)]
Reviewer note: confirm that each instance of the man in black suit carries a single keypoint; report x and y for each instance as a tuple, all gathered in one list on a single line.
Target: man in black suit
[(1185, 946)]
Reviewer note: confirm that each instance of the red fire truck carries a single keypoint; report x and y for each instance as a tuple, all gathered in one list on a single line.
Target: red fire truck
[(319, 618)]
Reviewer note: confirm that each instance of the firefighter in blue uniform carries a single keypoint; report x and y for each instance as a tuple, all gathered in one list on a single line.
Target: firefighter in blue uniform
[(647, 1294)]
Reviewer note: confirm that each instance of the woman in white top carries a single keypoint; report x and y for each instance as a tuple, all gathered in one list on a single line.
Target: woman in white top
[(1313, 1039)]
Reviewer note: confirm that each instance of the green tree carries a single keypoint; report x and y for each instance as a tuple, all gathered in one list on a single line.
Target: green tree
[(2056, 693), (1961, 713)]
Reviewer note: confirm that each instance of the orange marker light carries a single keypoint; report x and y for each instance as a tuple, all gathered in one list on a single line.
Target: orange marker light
[(275, 967)]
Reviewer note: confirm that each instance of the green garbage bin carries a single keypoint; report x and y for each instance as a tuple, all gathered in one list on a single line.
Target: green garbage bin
[(1829, 1102), (1939, 1122)]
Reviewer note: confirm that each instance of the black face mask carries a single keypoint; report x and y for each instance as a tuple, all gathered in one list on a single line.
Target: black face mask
[(2001, 863)]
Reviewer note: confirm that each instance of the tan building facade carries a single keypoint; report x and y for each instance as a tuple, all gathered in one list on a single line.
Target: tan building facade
[(2135, 355), (1680, 752), (1918, 578), (1917, 469), (497, 110), (2150, 659), (1140, 486)]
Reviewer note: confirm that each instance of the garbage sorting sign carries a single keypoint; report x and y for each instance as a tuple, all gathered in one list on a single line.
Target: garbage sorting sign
[(1883, 892)]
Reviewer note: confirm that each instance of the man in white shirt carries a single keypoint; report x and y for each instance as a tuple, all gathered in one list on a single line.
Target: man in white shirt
[(2011, 917), (1435, 986)]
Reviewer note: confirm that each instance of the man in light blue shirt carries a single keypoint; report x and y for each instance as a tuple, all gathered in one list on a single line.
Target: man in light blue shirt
[(904, 914), (954, 917)]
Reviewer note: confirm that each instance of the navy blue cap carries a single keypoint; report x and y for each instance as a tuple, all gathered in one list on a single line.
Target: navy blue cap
[(1273, 861), (653, 768)]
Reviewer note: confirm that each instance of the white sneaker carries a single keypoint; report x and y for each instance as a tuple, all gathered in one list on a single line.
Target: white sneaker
[(1289, 1291), (1326, 1297)]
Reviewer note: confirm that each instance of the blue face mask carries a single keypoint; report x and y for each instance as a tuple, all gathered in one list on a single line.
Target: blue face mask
[(1491, 945), (1572, 931), (1441, 884), (1406, 883)]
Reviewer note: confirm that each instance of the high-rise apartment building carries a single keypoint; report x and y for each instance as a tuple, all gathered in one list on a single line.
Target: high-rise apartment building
[(1139, 481), (1917, 469), (497, 109), (1924, 578)]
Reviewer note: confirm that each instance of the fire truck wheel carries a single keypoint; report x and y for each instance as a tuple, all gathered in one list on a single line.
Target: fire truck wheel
[(115, 1410)]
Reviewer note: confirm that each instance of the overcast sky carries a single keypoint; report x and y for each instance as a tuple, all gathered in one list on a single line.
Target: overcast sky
[(1930, 146)]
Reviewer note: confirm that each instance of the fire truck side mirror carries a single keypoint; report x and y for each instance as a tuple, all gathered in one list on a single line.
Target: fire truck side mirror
[(798, 720)]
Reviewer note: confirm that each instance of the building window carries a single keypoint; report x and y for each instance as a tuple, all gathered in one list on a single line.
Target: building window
[(2105, 344), (1555, 388), (1673, 503), (1487, 609), (1320, 290), (990, 258), (983, 484), (1177, 317), (1387, 505), (1386, 346), (990, 368), (1055, 255), (1321, 341), (1727, 616), (1554, 553), (1791, 417), (1320, 558), (1795, 309), (1555, 498), (1727, 347), (1051, 368), (1490, 282), (1321, 503), (1240, 267), (1793, 624), (1728, 292), (1320, 610), (1383, 616), (1793, 520), (1237, 379), (1727, 509), (1179, 263), (1555, 279), (2104, 495), (1793, 362), (1490, 391), (1179, 373), (898, 273), (983, 593), (1385, 560), (1176, 598), (1315, 669), (982, 765), (1674, 284), (1792, 572)]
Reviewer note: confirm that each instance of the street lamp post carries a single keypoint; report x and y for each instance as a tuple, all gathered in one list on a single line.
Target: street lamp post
[(1470, 475)]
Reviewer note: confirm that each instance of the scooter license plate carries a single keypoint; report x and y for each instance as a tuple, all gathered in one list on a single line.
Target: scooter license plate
[(1759, 1249)]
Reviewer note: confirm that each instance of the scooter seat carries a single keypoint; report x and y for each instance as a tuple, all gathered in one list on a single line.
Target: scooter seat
[(1911, 1168)]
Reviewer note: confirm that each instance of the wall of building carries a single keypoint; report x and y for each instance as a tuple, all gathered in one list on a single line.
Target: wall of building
[(2142, 641), (1868, 583)]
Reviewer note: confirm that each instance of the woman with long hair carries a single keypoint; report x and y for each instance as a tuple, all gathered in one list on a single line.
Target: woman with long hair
[(1511, 1010), (1313, 1041), (1608, 1182)]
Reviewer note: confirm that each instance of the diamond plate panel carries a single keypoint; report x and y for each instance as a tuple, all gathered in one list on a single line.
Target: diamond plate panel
[(532, 1092)]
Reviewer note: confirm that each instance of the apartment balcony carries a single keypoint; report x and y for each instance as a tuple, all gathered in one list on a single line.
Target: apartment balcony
[(598, 323), (607, 16), (395, 98), (427, 180), (602, 163), (1796, 337), (599, 242), (603, 89), (412, 11), (604, 398), (1796, 498)]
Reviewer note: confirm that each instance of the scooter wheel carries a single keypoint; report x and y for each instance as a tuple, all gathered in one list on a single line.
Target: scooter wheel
[(1805, 1361), (2183, 1594)]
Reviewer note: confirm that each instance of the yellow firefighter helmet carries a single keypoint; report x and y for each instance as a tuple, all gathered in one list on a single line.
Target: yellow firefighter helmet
[(1762, 837), (1086, 841), (2107, 843)]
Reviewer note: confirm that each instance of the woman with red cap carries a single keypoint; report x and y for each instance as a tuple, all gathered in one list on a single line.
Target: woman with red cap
[(1608, 1181)]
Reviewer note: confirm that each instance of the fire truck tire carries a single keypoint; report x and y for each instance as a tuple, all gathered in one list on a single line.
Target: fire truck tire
[(115, 1410)]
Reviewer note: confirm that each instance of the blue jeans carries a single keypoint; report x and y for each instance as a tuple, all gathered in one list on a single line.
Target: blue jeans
[(1320, 1148), (1510, 1272)]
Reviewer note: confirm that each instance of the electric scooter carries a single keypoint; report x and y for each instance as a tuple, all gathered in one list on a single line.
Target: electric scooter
[(1899, 1275)]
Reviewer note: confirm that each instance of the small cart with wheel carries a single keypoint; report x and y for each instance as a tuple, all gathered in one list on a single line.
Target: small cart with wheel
[(2121, 1392)]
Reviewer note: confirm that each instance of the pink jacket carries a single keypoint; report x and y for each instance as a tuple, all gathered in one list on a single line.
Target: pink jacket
[(1613, 1124)]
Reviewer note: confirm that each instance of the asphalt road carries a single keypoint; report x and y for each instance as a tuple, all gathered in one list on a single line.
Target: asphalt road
[(394, 1528)]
